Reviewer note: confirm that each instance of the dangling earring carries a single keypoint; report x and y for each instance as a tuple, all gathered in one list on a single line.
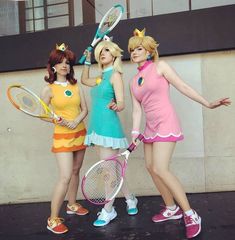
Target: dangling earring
[(149, 57), (54, 70)]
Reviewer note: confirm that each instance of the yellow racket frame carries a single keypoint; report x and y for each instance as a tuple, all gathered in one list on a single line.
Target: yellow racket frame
[(48, 113)]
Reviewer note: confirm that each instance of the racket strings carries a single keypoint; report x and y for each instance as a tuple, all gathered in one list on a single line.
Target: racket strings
[(28, 102), (103, 181), (110, 20)]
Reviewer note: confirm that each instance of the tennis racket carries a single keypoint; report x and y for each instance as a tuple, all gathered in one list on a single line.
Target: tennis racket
[(104, 179), (28, 102), (108, 22)]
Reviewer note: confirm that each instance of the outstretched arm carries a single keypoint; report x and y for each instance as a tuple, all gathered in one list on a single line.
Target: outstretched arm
[(173, 78)]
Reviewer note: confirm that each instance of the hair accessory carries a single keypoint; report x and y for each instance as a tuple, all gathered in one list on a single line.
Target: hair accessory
[(61, 47), (106, 38), (139, 33)]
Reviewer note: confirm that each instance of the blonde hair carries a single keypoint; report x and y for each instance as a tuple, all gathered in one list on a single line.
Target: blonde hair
[(147, 42), (115, 51)]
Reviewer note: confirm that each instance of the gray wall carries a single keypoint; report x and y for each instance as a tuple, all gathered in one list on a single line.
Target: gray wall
[(204, 161)]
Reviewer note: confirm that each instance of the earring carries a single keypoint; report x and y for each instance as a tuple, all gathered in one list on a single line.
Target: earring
[(149, 57), (54, 69)]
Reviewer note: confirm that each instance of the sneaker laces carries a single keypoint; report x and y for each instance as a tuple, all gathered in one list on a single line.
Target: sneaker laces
[(101, 214), (131, 203), (74, 206), (55, 221), (164, 208), (189, 220)]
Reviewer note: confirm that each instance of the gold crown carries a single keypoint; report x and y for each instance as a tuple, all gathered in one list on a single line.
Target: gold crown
[(61, 47), (139, 33)]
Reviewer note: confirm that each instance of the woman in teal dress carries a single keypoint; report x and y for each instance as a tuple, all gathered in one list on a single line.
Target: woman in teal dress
[(104, 127)]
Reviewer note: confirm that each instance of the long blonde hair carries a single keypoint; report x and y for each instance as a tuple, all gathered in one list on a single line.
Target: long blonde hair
[(116, 52), (147, 42)]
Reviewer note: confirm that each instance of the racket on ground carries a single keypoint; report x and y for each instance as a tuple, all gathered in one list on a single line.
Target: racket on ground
[(28, 102), (108, 22), (104, 179)]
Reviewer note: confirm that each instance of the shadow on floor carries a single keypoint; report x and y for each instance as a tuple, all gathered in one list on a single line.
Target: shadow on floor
[(28, 221)]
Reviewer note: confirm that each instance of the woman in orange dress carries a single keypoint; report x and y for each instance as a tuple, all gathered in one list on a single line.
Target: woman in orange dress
[(67, 100)]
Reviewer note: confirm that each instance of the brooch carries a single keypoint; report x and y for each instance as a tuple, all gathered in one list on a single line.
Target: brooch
[(68, 93), (140, 81)]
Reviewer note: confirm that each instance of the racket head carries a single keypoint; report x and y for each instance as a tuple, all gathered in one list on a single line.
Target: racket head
[(102, 181), (109, 20), (28, 102)]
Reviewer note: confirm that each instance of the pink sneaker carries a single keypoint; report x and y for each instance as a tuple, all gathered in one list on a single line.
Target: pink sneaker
[(167, 214), (192, 224)]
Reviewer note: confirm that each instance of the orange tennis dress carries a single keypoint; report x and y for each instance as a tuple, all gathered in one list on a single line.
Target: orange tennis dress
[(66, 104)]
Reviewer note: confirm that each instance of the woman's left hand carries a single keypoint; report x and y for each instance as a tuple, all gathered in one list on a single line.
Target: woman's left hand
[(220, 102), (72, 124), (113, 106)]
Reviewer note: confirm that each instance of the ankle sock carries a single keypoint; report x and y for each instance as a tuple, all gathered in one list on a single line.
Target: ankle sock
[(189, 212), (172, 207)]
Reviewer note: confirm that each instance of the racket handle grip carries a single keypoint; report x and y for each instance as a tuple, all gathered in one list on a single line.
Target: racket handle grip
[(83, 57), (133, 145)]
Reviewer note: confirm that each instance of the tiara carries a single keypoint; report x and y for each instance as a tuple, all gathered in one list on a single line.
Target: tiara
[(106, 38), (139, 33), (61, 47)]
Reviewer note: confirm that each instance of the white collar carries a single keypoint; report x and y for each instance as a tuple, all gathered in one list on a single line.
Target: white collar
[(64, 84)]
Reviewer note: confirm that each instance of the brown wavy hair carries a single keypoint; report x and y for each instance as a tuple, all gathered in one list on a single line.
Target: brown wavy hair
[(57, 56)]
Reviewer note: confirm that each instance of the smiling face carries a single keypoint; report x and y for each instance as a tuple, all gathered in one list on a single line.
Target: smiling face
[(62, 68), (139, 54)]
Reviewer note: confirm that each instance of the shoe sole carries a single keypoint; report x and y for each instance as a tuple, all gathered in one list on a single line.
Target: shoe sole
[(199, 230), (167, 219), (106, 223), (56, 232), (131, 214), (73, 213), (136, 203)]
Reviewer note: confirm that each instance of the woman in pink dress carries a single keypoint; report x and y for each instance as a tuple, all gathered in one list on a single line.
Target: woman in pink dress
[(150, 92)]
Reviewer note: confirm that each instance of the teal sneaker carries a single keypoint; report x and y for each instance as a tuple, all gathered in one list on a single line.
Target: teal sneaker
[(132, 206), (104, 217)]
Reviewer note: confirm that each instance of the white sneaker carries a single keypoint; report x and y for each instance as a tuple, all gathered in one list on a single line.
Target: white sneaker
[(104, 217), (132, 206)]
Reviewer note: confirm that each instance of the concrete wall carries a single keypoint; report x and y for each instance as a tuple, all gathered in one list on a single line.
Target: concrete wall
[(204, 161)]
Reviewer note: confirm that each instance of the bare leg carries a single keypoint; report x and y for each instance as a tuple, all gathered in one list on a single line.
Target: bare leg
[(161, 156), (105, 153), (65, 165), (78, 157), (162, 188)]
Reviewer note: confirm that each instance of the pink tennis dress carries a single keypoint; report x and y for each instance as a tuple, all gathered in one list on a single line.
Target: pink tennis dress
[(152, 91)]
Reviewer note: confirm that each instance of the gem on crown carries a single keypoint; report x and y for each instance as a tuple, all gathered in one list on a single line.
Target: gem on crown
[(61, 47)]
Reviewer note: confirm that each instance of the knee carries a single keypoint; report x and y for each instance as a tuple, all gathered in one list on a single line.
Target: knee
[(149, 168), (160, 172), (76, 170), (65, 180)]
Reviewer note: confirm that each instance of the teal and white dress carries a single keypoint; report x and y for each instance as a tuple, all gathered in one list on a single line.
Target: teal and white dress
[(104, 126)]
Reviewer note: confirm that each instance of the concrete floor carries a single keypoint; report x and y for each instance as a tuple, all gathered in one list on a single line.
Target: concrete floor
[(28, 221)]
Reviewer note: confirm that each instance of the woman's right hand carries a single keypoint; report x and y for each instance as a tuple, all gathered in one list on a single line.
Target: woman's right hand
[(88, 55), (62, 122), (134, 135)]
